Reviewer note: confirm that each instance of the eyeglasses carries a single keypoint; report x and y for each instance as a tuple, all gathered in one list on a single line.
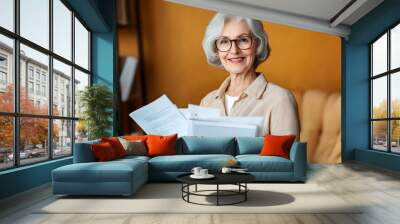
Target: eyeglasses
[(224, 44)]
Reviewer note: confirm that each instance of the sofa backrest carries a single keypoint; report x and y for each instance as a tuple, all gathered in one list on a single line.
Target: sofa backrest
[(83, 153), (192, 145), (249, 145)]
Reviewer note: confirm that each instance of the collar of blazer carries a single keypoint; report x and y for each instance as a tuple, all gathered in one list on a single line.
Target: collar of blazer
[(256, 89)]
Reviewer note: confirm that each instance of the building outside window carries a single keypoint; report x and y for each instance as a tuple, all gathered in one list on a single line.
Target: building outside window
[(44, 77), (37, 75), (59, 127), (30, 87), (3, 72), (30, 72), (3, 60), (43, 90), (3, 78)]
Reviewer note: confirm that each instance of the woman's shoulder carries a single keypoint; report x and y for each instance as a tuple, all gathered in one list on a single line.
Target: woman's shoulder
[(278, 92), (209, 97)]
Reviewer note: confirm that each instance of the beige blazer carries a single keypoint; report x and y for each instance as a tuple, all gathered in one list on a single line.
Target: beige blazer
[(262, 99)]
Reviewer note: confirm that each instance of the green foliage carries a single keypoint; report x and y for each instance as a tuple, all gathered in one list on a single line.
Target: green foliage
[(96, 103)]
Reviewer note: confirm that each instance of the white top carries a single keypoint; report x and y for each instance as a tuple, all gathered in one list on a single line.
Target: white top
[(229, 101)]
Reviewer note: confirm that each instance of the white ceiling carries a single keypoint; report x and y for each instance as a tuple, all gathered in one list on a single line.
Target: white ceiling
[(324, 16), (320, 9)]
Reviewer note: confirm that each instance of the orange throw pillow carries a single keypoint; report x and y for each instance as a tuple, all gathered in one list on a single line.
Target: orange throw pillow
[(135, 137), (116, 145), (161, 145), (277, 145), (103, 151)]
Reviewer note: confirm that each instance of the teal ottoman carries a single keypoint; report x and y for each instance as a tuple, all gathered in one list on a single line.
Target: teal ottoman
[(118, 177)]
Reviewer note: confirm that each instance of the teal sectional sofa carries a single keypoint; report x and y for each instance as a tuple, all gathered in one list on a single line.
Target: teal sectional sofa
[(125, 176)]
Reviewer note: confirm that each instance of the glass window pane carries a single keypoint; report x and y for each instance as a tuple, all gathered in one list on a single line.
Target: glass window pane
[(81, 45), (62, 89), (395, 136), (7, 14), (81, 81), (379, 97), (62, 29), (379, 56), (6, 142), (33, 140), (81, 131), (34, 97), (62, 138), (379, 135), (395, 47), (6, 74), (395, 94), (34, 21)]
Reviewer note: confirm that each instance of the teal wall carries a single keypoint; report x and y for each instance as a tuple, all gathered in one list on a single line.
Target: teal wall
[(24, 178), (104, 55), (99, 15), (355, 83)]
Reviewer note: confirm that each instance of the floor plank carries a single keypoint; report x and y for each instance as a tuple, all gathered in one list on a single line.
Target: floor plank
[(376, 190)]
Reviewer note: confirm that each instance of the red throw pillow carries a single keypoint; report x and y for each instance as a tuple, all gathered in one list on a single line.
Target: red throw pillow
[(161, 145), (116, 145), (103, 151), (277, 145)]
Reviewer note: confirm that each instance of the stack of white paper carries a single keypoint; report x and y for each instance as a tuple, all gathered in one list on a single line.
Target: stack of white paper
[(162, 117)]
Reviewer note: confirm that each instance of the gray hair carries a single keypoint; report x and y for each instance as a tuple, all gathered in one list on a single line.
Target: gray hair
[(214, 29)]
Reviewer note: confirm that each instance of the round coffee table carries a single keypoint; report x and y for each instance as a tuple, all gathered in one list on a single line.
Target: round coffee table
[(238, 179)]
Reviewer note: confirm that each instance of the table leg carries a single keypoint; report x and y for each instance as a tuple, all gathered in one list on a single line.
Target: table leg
[(182, 188), (217, 194), (245, 193), (196, 188), (188, 190)]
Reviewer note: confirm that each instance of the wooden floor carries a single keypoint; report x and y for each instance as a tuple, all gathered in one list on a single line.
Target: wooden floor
[(378, 189)]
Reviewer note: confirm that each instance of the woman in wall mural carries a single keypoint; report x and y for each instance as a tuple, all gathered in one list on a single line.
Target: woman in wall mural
[(239, 45)]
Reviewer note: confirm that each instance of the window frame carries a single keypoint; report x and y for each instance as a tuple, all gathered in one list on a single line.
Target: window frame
[(388, 74), (16, 115)]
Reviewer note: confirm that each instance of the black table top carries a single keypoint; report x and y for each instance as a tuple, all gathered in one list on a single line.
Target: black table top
[(220, 178)]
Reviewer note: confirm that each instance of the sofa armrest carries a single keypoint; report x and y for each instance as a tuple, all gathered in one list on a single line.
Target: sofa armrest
[(83, 152), (298, 155)]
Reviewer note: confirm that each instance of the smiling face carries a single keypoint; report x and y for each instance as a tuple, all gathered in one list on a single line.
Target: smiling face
[(236, 60)]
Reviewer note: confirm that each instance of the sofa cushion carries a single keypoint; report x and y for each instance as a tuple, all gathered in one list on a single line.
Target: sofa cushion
[(161, 145), (249, 145), (185, 163), (132, 158), (103, 152), (116, 145), (257, 163), (133, 147), (111, 171), (197, 145), (277, 145), (135, 137)]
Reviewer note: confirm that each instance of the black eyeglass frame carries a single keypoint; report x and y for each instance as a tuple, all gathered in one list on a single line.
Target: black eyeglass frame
[(235, 40)]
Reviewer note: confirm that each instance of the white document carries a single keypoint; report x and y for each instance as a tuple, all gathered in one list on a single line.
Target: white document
[(202, 112), (258, 122), (160, 117), (221, 129), (185, 112)]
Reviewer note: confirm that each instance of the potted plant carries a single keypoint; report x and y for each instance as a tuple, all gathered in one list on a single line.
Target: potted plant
[(96, 110)]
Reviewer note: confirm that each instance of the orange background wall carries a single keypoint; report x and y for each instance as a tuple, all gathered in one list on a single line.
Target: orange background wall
[(176, 65)]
